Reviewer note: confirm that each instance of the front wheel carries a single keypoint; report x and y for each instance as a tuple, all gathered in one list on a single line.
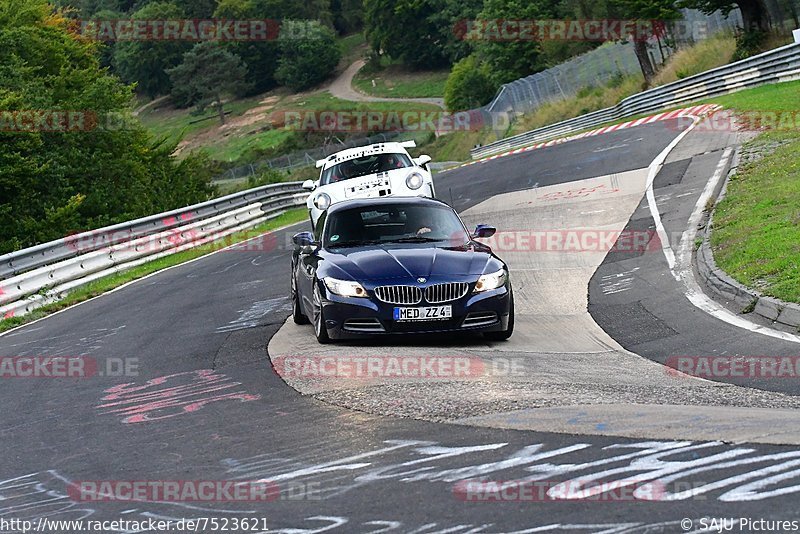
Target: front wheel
[(297, 312), (319, 318), (503, 334)]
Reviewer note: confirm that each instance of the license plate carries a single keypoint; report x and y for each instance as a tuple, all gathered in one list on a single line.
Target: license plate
[(374, 188), (433, 313)]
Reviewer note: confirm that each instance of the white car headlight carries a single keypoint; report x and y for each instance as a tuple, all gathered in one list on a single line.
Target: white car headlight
[(344, 288), (491, 281), (322, 201), (414, 180)]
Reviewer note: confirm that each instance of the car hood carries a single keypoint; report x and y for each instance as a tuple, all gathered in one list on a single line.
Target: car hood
[(404, 262)]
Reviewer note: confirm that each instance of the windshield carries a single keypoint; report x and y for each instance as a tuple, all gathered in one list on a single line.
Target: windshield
[(394, 223), (353, 168)]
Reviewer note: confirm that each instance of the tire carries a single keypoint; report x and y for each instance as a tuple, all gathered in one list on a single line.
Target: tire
[(503, 334), (297, 311), (319, 318)]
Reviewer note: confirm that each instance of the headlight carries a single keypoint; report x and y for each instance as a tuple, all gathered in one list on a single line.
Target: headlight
[(322, 201), (414, 180), (491, 281), (345, 288)]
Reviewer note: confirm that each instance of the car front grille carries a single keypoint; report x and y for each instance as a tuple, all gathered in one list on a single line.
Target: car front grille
[(439, 293), (399, 294), (435, 294)]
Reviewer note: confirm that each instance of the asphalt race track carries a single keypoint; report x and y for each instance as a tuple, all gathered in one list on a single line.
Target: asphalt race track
[(201, 401)]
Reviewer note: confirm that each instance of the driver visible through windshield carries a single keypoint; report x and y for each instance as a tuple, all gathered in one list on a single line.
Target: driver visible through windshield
[(394, 223), (374, 163)]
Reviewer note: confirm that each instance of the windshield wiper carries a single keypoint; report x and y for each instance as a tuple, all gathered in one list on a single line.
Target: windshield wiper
[(412, 239)]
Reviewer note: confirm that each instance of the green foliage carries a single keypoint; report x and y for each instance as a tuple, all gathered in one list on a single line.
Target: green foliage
[(748, 44), (308, 54), (208, 72), (468, 86), (420, 33), (509, 61), (755, 15), (348, 15), (261, 57), (56, 182), (146, 62)]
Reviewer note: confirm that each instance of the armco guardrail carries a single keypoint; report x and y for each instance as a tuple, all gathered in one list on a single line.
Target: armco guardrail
[(38, 275), (779, 65)]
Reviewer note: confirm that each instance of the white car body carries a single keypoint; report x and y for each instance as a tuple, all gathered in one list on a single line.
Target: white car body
[(388, 182)]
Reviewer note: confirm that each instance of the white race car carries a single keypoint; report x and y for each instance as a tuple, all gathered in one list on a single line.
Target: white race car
[(380, 170)]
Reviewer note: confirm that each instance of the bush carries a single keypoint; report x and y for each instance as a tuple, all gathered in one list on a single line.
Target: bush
[(308, 54), (749, 43), (145, 62), (469, 85), (56, 182)]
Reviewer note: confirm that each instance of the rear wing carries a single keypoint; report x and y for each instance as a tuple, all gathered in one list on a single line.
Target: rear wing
[(404, 144)]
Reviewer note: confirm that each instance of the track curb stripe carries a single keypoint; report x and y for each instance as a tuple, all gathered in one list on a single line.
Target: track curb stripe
[(684, 112)]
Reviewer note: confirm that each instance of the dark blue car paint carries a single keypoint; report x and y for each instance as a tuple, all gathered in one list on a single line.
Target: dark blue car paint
[(397, 264)]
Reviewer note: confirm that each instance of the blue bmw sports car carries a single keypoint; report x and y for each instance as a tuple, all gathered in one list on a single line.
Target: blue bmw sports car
[(398, 266)]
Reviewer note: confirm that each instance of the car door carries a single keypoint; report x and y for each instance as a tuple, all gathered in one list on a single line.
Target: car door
[(307, 263)]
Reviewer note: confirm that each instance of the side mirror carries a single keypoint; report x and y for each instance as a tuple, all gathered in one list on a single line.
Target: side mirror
[(484, 230), (309, 184), (303, 239), (423, 160)]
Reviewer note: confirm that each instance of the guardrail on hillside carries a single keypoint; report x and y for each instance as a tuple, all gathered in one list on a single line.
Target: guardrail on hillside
[(781, 64), (35, 276)]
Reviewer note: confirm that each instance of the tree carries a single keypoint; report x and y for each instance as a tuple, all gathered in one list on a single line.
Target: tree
[(348, 15), (469, 85), (99, 172), (197, 9), (510, 60), (407, 30), (261, 57), (208, 73), (755, 14), (308, 54), (647, 10), (146, 62)]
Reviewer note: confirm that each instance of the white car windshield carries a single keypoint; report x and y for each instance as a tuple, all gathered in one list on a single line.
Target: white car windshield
[(395, 223), (353, 168)]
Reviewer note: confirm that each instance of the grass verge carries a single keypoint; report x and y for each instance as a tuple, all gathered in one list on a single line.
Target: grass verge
[(394, 81), (756, 231), (103, 285)]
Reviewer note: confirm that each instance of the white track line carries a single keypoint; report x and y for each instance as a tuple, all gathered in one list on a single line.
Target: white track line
[(682, 267)]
